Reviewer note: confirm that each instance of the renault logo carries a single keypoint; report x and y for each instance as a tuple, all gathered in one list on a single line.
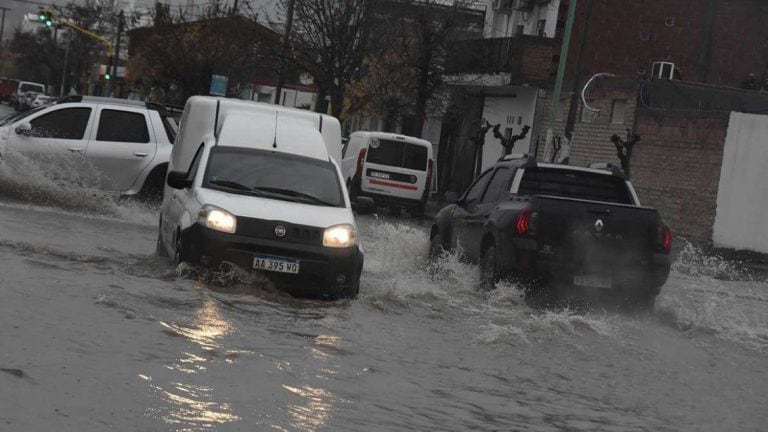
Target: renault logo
[(280, 231), (599, 225)]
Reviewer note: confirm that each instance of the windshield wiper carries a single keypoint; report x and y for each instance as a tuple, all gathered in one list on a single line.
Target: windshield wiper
[(295, 194), (231, 184)]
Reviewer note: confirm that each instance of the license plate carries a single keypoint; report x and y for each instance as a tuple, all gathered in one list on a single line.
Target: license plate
[(380, 175), (592, 281), (276, 264)]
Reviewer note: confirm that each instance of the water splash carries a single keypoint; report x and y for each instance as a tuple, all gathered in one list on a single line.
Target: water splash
[(66, 182), (694, 262)]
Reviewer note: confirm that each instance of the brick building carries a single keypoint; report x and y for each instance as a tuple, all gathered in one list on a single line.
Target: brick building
[(713, 41)]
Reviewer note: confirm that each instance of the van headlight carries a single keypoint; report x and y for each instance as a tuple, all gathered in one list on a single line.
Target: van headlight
[(340, 236), (217, 219)]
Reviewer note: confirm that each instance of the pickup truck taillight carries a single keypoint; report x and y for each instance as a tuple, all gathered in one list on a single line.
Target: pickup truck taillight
[(360, 161), (526, 221), (665, 238)]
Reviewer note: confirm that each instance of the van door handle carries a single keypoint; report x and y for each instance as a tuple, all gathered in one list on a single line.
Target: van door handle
[(75, 150), (139, 154)]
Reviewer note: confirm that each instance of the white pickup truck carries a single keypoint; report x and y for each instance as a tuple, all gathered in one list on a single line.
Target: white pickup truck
[(127, 144)]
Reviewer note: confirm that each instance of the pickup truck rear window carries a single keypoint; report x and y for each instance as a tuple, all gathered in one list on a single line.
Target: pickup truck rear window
[(574, 184)]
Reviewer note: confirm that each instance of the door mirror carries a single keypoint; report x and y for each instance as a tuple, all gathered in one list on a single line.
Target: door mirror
[(364, 205), (24, 130), (178, 180)]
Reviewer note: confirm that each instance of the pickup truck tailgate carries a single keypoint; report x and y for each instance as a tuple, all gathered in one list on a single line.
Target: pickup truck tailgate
[(602, 234)]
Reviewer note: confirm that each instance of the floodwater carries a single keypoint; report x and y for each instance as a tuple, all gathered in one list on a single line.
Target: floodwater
[(99, 334)]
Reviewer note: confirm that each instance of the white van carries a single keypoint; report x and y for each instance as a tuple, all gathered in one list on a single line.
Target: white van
[(259, 186), (394, 170), (21, 90)]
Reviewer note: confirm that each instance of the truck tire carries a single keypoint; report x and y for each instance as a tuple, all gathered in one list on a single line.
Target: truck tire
[(489, 269), (436, 246)]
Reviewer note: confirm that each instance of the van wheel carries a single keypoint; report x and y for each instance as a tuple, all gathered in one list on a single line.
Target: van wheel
[(160, 247), (489, 269), (178, 252)]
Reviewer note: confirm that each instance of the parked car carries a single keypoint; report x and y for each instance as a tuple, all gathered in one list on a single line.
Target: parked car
[(558, 227), (128, 143), (259, 186), (16, 97), (393, 170), (7, 88)]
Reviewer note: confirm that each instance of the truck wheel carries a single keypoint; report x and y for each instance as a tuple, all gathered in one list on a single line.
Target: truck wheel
[(489, 269), (436, 246)]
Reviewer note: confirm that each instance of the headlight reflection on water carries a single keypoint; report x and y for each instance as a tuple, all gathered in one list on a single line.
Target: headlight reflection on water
[(190, 407)]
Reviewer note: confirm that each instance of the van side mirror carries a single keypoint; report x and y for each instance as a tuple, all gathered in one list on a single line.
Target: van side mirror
[(24, 130), (363, 205), (178, 180)]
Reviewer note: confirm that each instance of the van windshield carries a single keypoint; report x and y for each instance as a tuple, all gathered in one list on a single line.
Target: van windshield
[(32, 87), (397, 154), (273, 175)]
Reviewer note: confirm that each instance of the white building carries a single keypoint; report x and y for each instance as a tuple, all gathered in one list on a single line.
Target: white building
[(510, 96)]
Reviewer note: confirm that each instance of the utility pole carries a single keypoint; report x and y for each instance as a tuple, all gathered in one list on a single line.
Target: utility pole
[(2, 25), (116, 61), (573, 108), (281, 70), (560, 75)]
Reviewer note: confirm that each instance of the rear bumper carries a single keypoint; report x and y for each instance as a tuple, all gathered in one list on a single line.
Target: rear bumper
[(382, 199), (321, 270), (646, 275)]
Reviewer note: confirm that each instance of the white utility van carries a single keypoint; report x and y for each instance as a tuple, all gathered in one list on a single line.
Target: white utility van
[(259, 186), (394, 170)]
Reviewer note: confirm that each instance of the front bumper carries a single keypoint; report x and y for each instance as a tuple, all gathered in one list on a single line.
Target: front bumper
[(322, 270)]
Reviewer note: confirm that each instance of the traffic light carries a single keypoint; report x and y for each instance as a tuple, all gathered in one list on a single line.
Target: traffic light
[(107, 76), (46, 17)]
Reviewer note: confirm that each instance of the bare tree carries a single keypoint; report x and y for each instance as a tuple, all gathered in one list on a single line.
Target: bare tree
[(624, 149), (179, 54), (330, 40)]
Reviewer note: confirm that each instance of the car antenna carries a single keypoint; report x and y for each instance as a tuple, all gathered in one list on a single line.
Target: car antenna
[(216, 122), (274, 143)]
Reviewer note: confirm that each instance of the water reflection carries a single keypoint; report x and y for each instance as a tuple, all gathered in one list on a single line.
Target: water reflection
[(315, 409), (191, 407)]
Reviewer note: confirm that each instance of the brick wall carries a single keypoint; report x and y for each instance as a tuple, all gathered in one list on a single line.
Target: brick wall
[(676, 168), (628, 34), (591, 140)]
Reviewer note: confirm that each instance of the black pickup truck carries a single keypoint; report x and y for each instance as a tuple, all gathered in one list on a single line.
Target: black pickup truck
[(556, 227)]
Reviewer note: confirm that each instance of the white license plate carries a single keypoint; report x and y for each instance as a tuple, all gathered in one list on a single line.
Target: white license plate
[(276, 264), (380, 175), (592, 281)]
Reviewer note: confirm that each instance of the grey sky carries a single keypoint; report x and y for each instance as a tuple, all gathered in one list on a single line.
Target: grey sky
[(17, 9)]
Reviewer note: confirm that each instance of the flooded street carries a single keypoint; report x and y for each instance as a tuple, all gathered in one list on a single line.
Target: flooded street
[(99, 334)]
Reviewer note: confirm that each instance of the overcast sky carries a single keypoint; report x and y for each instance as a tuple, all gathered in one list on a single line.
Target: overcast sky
[(17, 8)]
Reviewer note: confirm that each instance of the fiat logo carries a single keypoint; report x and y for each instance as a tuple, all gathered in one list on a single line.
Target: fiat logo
[(599, 225), (280, 231)]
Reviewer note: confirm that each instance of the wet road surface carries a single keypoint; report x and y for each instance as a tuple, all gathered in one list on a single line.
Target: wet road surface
[(99, 334)]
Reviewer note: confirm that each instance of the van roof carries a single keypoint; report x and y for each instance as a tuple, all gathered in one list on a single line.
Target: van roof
[(242, 123), (393, 136)]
